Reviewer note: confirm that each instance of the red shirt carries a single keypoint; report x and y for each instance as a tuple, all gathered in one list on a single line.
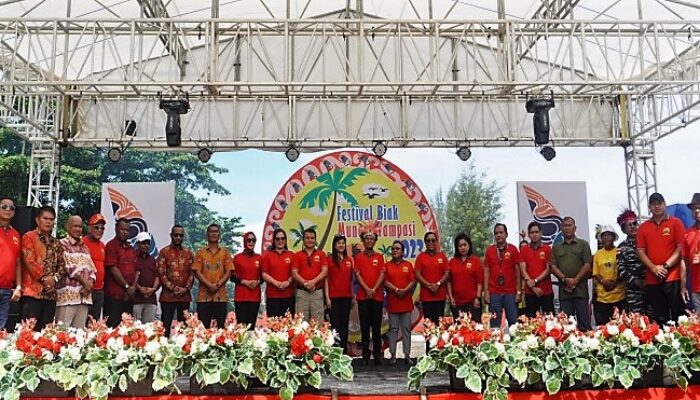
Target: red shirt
[(148, 272), (660, 241), (464, 278), (97, 253), (124, 257), (432, 267), (369, 268), (309, 266), (247, 266), (691, 253), (10, 248), (340, 278), (400, 275), (506, 265), (536, 260), (278, 266)]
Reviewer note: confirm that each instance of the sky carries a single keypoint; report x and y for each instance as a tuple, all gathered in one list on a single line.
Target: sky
[(255, 177)]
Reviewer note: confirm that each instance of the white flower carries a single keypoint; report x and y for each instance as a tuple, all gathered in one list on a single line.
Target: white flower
[(506, 338), (74, 353), (115, 343), (123, 331), (180, 340), (260, 344), (433, 341), (152, 347), (281, 337), (304, 325), (531, 341), (47, 355), (3, 344), (613, 330), (523, 346), (500, 347), (682, 319), (550, 324), (148, 331), (635, 341), (330, 338), (675, 343), (660, 337), (549, 342), (568, 328), (628, 334), (574, 341), (122, 357), (513, 329), (15, 355)]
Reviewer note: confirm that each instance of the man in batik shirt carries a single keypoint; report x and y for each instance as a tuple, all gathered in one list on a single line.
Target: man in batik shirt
[(630, 268), (176, 278)]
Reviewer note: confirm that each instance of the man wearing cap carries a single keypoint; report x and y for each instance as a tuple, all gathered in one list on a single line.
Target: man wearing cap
[(630, 268), (10, 267), (176, 277), (74, 291), (93, 242), (147, 281), (120, 277), (610, 290), (690, 254), (659, 244)]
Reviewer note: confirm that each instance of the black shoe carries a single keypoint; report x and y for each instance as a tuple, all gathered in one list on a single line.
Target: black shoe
[(391, 361), (378, 361), (407, 362), (364, 362)]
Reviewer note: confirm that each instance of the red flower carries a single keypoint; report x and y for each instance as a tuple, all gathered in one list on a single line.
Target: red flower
[(440, 344), (298, 346), (318, 358), (220, 340), (290, 333), (555, 333), (455, 341), (187, 348), (56, 348)]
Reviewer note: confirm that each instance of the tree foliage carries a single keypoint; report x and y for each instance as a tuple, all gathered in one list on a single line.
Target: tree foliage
[(84, 170), (472, 205)]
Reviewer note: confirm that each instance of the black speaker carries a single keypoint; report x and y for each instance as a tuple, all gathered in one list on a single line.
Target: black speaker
[(25, 219)]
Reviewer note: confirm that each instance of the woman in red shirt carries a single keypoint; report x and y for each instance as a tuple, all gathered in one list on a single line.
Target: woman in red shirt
[(247, 275), (432, 272), (338, 289), (466, 279), (400, 282), (277, 273)]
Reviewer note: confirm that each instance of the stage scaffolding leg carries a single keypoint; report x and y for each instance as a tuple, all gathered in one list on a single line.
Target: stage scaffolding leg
[(44, 170), (640, 168)]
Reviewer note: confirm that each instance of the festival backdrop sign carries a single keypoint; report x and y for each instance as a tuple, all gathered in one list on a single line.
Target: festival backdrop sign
[(352, 192), (149, 207)]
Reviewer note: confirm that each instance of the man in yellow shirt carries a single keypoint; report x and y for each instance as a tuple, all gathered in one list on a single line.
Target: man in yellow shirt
[(609, 287)]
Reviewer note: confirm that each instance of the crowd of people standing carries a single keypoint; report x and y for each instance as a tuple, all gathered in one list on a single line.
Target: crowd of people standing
[(78, 276)]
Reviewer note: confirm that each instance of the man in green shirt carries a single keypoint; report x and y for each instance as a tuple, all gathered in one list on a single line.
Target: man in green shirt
[(571, 264)]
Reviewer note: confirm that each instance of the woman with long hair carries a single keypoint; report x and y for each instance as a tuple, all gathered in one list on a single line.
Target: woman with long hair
[(466, 279), (277, 274), (338, 289), (247, 275)]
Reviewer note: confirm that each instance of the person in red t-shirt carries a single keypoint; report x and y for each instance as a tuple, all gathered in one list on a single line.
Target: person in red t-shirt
[(339, 289), (502, 277), (309, 270), (277, 273), (432, 271), (400, 283), (370, 273), (534, 267), (690, 254), (10, 267), (120, 279), (659, 242), (247, 275), (466, 279), (96, 229)]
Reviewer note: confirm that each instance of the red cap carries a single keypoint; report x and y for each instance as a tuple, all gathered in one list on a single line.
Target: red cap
[(96, 218)]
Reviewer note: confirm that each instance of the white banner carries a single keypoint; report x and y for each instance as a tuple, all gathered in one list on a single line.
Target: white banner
[(149, 207), (549, 202)]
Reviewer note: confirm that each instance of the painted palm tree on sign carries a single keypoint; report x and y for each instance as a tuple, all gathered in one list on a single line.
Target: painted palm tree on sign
[(332, 184), (299, 233)]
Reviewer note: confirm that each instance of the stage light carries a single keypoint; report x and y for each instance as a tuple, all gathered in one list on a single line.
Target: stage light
[(540, 120), (292, 154), (114, 154), (173, 109), (548, 153), (464, 153), (379, 149), (130, 127), (204, 155)]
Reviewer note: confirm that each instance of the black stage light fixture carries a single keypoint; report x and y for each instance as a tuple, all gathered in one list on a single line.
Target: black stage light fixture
[(379, 148), (130, 127), (204, 155), (173, 109), (114, 154), (464, 153), (292, 154), (548, 153), (540, 120)]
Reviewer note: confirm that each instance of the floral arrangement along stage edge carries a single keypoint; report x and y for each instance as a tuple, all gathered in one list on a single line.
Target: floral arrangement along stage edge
[(287, 354), (550, 352)]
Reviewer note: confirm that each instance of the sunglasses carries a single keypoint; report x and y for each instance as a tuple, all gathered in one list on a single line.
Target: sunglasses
[(281, 238), (98, 228), (178, 234), (7, 207), (633, 223), (250, 241), (430, 241), (396, 249)]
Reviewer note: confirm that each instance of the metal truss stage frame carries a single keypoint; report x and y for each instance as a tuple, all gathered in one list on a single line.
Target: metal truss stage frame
[(436, 76)]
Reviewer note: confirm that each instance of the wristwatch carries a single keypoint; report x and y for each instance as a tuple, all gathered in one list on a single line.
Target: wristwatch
[(126, 286), (439, 283), (535, 280)]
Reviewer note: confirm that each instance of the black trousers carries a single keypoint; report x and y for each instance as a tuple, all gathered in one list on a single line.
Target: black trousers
[(433, 310), (534, 304), (665, 301), (468, 308), (340, 319), (604, 311), (43, 310), (98, 301), (168, 312), (113, 310), (277, 307), (212, 311), (371, 321), (247, 313)]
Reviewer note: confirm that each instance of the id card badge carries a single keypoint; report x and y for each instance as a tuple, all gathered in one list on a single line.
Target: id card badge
[(696, 258)]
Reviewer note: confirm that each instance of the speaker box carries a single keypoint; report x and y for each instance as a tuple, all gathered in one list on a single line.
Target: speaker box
[(25, 219)]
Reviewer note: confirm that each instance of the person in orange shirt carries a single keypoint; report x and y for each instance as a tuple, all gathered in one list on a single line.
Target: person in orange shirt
[(338, 289), (400, 283), (466, 279), (212, 267), (370, 273), (690, 255), (247, 275), (432, 272), (10, 266), (277, 273), (96, 229), (309, 270), (43, 265)]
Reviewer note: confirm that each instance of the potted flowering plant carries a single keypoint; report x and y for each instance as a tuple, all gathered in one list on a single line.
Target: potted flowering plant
[(290, 353), (680, 349)]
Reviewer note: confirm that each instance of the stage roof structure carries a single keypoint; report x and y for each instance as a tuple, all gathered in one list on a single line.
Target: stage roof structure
[(321, 74)]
